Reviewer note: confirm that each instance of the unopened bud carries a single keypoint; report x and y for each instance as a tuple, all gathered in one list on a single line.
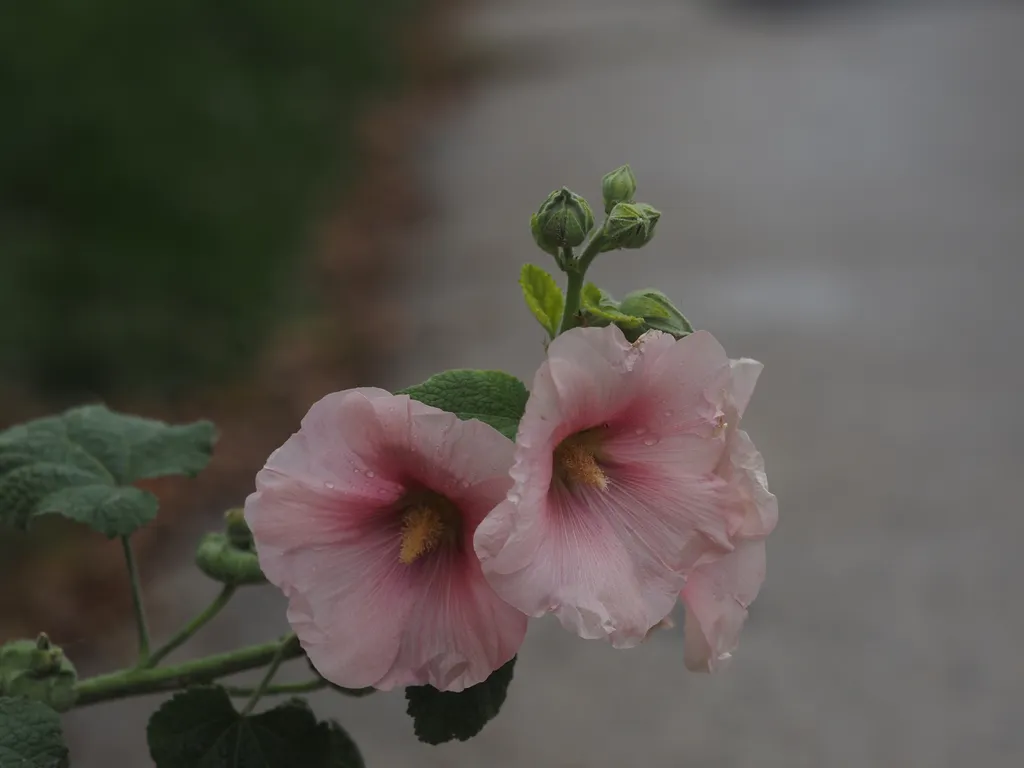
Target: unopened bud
[(563, 221), (237, 529), (222, 561), (619, 186), (39, 670), (629, 225)]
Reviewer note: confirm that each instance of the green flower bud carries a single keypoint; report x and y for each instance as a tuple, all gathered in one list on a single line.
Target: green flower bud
[(563, 221), (220, 559), (238, 530), (538, 237), (629, 225), (39, 670), (619, 186)]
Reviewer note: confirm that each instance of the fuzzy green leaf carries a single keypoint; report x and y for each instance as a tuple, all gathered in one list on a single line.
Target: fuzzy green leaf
[(200, 728), (543, 297), (81, 465), (442, 716), (343, 751), (493, 397), (600, 309), (30, 735), (658, 312)]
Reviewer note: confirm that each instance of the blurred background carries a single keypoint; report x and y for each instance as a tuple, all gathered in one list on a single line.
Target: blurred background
[(228, 209)]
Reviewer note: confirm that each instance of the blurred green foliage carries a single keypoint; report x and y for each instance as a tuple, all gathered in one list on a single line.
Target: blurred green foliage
[(160, 165)]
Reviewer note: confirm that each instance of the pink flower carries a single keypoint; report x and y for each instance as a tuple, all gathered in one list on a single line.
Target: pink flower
[(619, 490), (719, 591), (364, 519)]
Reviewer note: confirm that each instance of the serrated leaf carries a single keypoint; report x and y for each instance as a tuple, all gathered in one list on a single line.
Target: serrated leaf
[(440, 716), (343, 750), (543, 297), (81, 464), (493, 397), (30, 735), (200, 728), (658, 312)]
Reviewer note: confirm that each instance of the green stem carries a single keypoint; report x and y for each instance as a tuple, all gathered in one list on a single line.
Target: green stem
[(136, 682), (284, 689), (573, 292), (265, 682), (140, 610), (576, 271), (191, 628)]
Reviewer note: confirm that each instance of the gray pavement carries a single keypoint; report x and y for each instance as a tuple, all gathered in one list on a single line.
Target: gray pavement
[(843, 199)]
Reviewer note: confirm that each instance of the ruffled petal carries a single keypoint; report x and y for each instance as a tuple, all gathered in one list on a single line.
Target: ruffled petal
[(327, 523), (717, 596)]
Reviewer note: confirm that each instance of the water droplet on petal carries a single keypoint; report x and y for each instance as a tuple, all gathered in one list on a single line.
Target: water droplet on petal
[(668, 414), (329, 486), (650, 441), (514, 498), (641, 430), (724, 656), (370, 474)]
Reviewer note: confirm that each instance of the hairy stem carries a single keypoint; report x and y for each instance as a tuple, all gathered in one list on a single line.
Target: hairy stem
[(576, 271), (136, 682), (140, 610), (191, 628)]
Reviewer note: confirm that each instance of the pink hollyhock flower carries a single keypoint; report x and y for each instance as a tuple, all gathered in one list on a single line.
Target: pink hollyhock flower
[(720, 590), (619, 490), (364, 519)]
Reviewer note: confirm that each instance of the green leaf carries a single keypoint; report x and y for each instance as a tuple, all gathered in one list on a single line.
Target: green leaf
[(657, 311), (442, 716), (30, 735), (81, 465), (543, 297), (200, 728), (600, 309), (493, 397), (343, 751)]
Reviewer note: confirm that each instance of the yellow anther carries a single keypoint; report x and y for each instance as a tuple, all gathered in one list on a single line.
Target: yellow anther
[(422, 529), (575, 460)]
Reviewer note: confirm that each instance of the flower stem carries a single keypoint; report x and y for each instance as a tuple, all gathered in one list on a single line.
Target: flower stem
[(576, 271), (279, 690), (136, 682), (265, 682), (191, 628), (140, 610)]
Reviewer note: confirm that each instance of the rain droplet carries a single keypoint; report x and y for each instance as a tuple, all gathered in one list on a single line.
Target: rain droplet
[(329, 486), (370, 474), (513, 497), (650, 441), (641, 430)]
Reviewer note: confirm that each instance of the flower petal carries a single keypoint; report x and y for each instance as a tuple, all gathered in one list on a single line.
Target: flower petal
[(327, 527), (717, 596)]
